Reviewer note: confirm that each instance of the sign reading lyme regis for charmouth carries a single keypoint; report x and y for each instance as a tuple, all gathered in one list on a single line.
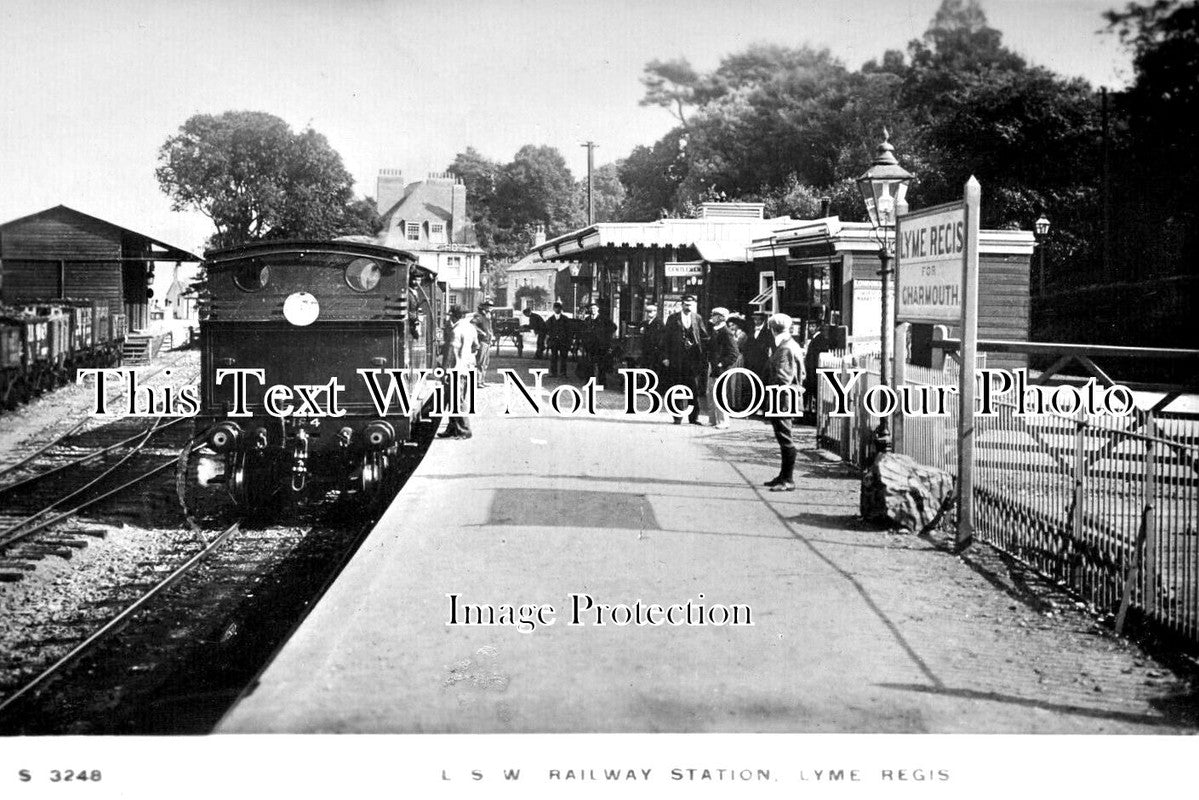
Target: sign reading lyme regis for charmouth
[(928, 246)]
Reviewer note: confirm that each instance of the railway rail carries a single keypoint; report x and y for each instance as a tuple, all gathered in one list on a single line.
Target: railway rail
[(160, 631), (79, 483), (116, 622)]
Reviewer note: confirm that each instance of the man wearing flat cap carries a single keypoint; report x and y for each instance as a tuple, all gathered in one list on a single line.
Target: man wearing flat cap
[(685, 347), (482, 321), (722, 356)]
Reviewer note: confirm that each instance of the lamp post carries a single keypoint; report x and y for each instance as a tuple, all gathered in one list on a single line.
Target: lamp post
[(574, 287), (1040, 231), (884, 189)]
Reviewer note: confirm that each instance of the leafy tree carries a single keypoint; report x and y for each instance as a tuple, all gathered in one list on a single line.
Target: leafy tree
[(671, 85), (651, 177), (608, 193), (254, 178), (536, 186)]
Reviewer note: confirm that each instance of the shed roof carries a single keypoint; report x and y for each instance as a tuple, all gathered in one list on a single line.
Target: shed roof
[(169, 252)]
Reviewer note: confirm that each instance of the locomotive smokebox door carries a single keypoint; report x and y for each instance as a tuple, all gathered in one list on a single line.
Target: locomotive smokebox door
[(301, 309)]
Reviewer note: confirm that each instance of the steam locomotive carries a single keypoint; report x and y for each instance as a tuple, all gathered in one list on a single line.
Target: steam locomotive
[(285, 328)]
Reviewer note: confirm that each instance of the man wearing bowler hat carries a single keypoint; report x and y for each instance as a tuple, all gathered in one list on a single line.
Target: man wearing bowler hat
[(684, 347)]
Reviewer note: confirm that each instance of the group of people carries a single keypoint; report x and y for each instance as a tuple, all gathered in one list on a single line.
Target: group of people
[(683, 350), (590, 337)]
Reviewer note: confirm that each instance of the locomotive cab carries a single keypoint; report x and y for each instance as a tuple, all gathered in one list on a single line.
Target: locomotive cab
[(285, 328)]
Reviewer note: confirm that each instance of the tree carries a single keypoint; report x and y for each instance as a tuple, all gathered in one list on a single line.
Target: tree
[(651, 177), (1154, 164), (671, 85), (254, 178), (607, 193), (536, 186)]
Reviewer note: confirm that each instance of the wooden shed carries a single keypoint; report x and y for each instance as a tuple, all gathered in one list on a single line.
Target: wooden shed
[(64, 253)]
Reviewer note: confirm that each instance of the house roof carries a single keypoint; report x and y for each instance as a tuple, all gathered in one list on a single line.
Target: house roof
[(424, 199), (169, 252)]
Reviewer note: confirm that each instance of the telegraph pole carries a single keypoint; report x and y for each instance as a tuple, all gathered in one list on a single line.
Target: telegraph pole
[(590, 189)]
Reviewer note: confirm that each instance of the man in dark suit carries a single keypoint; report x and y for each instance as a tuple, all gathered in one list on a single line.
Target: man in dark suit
[(759, 345), (684, 347), (722, 356), (785, 369), (598, 334), (557, 339), (651, 340)]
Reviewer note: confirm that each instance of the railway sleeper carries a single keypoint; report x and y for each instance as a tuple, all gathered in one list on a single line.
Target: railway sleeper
[(77, 544)]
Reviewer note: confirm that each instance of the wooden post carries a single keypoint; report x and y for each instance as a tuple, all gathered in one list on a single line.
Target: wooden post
[(965, 532)]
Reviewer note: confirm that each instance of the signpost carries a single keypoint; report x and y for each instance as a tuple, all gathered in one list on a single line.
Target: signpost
[(684, 269), (969, 319), (936, 269), (929, 246)]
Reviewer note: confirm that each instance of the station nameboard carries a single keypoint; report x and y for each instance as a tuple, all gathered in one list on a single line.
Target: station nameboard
[(684, 269), (929, 247)]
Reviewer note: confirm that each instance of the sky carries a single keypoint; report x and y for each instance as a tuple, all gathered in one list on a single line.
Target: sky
[(89, 91)]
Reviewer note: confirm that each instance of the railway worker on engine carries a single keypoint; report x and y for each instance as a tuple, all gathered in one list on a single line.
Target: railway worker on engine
[(784, 369), (557, 338), (482, 321), (462, 341), (684, 350)]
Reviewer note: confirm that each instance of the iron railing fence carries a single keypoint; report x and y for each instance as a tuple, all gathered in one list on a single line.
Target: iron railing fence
[(1108, 506)]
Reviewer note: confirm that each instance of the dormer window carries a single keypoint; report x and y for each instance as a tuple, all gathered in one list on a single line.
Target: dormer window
[(437, 231), (412, 231)]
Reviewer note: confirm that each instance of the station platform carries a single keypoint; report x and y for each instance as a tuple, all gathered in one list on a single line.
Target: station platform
[(854, 629)]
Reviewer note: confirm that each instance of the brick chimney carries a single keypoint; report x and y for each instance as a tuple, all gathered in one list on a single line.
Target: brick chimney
[(539, 234), (389, 189), (458, 213)]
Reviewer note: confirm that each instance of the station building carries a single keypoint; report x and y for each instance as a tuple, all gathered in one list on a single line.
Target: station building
[(817, 271)]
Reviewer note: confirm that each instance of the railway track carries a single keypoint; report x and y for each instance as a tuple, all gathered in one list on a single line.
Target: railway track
[(73, 419), (163, 629), (69, 478)]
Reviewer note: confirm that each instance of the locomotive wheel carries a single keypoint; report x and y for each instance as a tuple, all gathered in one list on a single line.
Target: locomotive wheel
[(373, 476), (199, 485)]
